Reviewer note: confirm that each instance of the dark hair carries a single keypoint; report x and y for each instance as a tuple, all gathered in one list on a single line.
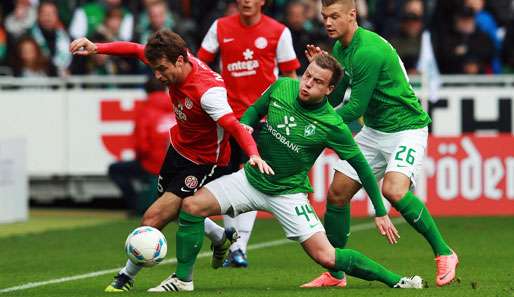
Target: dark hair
[(328, 62), (165, 44), (41, 62)]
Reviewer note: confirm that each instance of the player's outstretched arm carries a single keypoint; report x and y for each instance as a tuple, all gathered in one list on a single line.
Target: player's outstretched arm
[(246, 142), (84, 47), (369, 182)]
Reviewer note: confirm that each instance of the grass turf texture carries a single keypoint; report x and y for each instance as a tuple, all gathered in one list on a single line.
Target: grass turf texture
[(483, 244)]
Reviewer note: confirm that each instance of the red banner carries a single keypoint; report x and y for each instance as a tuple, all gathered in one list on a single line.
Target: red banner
[(468, 175)]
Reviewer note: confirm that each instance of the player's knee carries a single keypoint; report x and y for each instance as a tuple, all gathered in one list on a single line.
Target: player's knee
[(393, 192), (191, 206), (153, 219), (337, 196)]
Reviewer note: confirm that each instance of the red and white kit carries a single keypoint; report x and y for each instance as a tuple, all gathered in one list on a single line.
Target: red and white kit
[(251, 56), (201, 110)]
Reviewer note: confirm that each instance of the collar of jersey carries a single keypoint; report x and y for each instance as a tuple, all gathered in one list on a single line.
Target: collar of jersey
[(355, 38), (252, 26), (191, 74), (320, 107)]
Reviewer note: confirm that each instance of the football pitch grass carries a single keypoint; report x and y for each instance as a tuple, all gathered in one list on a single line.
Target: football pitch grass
[(82, 261)]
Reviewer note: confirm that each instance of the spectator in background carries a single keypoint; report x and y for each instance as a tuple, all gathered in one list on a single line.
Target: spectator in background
[(29, 61), (408, 41), (109, 31), (464, 49), (507, 53), (51, 37), (3, 43), (296, 18), (487, 24), (21, 19), (88, 17), (156, 16), (151, 138)]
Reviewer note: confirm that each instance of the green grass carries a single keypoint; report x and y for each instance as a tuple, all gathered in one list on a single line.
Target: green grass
[(484, 246)]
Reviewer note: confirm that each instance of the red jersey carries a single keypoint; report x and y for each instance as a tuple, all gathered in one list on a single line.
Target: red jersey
[(198, 102), (250, 56)]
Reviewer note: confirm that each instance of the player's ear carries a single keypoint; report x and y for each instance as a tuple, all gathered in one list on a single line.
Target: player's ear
[(330, 89), (180, 61)]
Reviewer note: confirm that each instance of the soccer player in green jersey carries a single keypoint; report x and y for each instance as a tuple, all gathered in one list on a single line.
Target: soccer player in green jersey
[(393, 139), (300, 124)]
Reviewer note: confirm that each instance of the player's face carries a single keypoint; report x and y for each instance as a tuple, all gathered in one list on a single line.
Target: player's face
[(250, 8), (315, 83), (337, 19), (167, 72)]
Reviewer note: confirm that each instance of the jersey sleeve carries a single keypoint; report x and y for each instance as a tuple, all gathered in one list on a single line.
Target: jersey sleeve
[(258, 109), (214, 103), (342, 142), (210, 44), (366, 70), (286, 56), (122, 48)]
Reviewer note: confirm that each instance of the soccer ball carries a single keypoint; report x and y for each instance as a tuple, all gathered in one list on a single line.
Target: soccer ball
[(146, 246)]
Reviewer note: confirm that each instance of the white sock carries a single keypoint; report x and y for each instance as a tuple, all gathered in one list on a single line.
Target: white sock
[(131, 269), (244, 226), (214, 232), (229, 221)]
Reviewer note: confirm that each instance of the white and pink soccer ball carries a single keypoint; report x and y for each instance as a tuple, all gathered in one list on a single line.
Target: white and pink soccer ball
[(146, 246)]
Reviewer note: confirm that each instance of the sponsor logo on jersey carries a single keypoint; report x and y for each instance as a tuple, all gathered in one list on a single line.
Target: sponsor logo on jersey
[(261, 42), (282, 139), (288, 124), (309, 130), (188, 103), (191, 181), (246, 67), (179, 112)]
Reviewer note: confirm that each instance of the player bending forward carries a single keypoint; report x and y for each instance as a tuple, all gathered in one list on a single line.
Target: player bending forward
[(199, 143), (299, 125)]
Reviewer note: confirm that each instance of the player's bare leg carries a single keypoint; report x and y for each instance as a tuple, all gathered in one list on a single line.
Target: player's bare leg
[(158, 215), (396, 189), (337, 225), (354, 263)]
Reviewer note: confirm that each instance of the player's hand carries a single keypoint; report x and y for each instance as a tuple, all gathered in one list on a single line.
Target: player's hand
[(247, 128), (386, 228), (311, 51), (83, 47), (256, 161)]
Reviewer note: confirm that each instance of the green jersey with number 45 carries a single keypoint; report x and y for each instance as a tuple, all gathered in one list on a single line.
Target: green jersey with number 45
[(380, 88), (293, 137)]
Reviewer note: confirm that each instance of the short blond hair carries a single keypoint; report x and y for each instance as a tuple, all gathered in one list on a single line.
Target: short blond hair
[(349, 3)]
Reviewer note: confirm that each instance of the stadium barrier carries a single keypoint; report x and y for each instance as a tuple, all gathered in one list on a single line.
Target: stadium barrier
[(76, 127)]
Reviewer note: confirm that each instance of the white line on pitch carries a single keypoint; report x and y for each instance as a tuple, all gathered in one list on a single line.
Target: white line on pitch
[(256, 246)]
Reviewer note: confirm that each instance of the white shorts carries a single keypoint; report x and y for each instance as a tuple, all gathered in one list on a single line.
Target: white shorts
[(402, 152), (293, 211)]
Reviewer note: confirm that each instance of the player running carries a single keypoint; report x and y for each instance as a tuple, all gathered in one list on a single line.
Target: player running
[(393, 139), (253, 48), (199, 143), (300, 124)]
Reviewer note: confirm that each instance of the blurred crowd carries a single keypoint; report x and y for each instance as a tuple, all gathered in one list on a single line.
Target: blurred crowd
[(465, 36)]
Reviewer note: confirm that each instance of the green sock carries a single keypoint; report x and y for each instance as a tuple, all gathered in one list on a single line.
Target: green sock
[(358, 265), (417, 215), (189, 242), (337, 227)]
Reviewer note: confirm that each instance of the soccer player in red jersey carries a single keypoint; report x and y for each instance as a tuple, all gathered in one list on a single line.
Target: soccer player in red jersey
[(253, 48), (199, 143)]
